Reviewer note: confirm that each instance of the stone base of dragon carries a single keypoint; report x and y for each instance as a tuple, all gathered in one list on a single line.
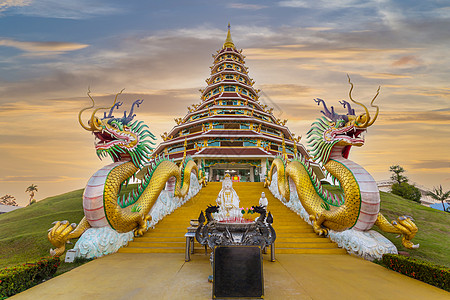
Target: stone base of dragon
[(346, 217), (112, 218)]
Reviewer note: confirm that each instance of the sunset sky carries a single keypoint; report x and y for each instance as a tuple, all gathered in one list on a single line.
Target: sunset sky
[(51, 51)]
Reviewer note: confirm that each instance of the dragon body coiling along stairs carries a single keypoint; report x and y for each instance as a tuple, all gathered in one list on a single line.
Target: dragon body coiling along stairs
[(358, 207), (127, 142)]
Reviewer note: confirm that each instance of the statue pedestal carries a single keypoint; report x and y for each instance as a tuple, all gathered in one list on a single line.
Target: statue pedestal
[(238, 272)]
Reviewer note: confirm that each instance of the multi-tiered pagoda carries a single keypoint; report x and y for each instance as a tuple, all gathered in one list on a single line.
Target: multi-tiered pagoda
[(230, 130)]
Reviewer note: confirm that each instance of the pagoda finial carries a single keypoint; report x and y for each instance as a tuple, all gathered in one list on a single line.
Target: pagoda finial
[(229, 41)]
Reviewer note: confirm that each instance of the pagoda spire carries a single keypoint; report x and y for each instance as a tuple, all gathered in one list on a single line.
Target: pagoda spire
[(229, 41)]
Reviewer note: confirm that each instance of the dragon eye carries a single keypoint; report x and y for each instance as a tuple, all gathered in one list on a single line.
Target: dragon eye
[(340, 123)]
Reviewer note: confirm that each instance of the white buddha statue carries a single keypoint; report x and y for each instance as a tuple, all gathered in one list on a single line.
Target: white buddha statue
[(227, 200), (263, 200)]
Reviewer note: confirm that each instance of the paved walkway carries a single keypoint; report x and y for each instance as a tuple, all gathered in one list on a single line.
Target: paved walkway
[(292, 276)]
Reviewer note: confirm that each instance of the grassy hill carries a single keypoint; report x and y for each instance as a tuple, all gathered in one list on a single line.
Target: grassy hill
[(23, 232)]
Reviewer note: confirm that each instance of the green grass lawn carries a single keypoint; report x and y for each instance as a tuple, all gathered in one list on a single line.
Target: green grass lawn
[(23, 232), (434, 228)]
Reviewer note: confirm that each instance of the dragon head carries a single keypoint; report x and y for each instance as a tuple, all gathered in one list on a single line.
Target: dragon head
[(121, 138), (344, 130)]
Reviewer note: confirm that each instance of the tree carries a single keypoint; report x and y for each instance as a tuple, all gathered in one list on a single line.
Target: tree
[(406, 191), (31, 189), (401, 187), (438, 194), (397, 174), (8, 200)]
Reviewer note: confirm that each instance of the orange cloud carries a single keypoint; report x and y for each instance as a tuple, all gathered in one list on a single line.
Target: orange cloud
[(42, 46), (406, 60)]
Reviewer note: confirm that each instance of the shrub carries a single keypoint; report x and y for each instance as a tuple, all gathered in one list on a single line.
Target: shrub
[(16, 279), (438, 276), (406, 191)]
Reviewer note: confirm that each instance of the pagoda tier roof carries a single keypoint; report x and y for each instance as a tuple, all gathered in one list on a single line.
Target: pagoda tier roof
[(217, 133), (237, 96), (231, 117), (234, 116), (228, 134), (227, 94), (240, 118), (229, 71), (229, 60), (231, 50)]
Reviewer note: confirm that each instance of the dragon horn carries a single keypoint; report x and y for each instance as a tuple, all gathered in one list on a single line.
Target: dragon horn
[(81, 111), (364, 125), (378, 109), (94, 125)]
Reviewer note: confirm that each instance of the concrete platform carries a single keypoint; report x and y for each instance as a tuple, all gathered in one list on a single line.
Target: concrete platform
[(292, 276)]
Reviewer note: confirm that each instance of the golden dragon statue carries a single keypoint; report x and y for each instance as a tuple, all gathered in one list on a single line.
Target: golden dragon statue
[(128, 143), (358, 207)]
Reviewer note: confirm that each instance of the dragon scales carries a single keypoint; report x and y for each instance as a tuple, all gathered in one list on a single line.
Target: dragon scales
[(358, 207), (127, 142)]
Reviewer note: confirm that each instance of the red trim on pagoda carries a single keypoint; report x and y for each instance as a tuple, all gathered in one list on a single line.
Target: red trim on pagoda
[(238, 151)]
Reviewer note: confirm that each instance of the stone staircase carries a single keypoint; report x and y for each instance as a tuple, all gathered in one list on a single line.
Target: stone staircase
[(293, 234)]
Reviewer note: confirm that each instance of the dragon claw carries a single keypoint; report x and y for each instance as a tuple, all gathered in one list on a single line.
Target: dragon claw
[(317, 225), (407, 229), (58, 235)]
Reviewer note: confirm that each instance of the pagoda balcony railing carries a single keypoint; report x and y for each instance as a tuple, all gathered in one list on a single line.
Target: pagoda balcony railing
[(279, 152), (220, 83), (231, 115), (231, 61), (215, 71), (253, 130), (247, 112)]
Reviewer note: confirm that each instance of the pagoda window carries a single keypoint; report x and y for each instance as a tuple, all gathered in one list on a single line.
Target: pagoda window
[(228, 56), (213, 143), (229, 77), (230, 88), (195, 129), (232, 126), (190, 146), (250, 143), (176, 148), (220, 68), (244, 91), (228, 103), (216, 90), (229, 66), (217, 126), (231, 144), (274, 147), (238, 68), (244, 126), (240, 78)]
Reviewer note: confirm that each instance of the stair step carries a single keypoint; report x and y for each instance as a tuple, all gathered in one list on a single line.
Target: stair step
[(302, 245), (309, 251), (151, 239)]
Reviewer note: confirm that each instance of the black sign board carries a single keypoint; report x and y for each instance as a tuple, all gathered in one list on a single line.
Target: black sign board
[(238, 272)]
